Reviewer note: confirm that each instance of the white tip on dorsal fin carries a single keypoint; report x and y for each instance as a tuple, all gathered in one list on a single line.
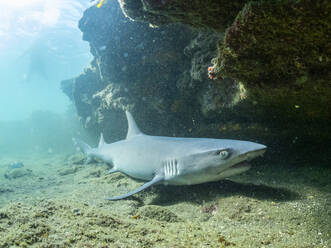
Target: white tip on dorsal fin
[(132, 126), (101, 141)]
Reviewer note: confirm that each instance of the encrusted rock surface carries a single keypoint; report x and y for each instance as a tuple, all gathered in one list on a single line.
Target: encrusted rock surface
[(270, 66), (209, 14), (278, 43), (135, 67), (17, 173)]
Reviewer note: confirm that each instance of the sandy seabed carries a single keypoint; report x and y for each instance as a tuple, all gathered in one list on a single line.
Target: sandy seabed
[(57, 201)]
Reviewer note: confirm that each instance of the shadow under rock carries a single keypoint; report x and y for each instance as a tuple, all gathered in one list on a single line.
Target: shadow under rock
[(168, 195)]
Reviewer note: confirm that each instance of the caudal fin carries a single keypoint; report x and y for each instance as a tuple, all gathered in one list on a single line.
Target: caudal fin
[(85, 148), (89, 152)]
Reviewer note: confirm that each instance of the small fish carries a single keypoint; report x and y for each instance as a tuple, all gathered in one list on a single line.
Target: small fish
[(100, 3), (16, 165)]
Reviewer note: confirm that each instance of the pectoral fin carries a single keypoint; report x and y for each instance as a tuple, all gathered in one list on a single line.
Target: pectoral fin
[(155, 180), (113, 170)]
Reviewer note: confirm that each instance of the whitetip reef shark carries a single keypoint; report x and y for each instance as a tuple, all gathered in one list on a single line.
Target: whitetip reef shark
[(171, 160)]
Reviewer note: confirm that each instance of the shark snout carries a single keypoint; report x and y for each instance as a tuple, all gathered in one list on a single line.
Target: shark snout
[(252, 151), (254, 154)]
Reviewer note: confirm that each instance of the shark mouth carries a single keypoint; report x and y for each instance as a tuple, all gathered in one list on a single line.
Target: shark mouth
[(243, 165), (253, 154), (240, 165), (249, 156)]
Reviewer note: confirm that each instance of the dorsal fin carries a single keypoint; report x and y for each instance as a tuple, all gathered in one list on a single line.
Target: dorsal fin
[(132, 126), (101, 141)]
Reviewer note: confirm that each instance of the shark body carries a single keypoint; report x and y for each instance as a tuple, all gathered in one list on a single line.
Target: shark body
[(173, 161)]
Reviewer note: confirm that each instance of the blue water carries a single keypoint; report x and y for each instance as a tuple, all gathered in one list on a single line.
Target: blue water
[(40, 45)]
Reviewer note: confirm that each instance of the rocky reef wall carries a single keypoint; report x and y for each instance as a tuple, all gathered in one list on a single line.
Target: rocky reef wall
[(269, 72)]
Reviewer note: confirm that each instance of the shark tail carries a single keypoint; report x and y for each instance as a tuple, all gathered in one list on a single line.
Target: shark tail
[(85, 148), (89, 152)]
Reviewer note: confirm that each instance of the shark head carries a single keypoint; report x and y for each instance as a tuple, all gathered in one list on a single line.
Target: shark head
[(222, 159)]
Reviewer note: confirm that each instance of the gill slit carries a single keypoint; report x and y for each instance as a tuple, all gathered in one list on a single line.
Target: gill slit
[(170, 167)]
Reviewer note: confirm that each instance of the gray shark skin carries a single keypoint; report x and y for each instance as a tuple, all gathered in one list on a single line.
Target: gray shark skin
[(173, 161)]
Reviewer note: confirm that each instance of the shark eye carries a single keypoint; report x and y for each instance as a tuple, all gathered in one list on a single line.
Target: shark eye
[(224, 154)]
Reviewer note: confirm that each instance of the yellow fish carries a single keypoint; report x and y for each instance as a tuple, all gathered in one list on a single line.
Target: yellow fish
[(100, 3)]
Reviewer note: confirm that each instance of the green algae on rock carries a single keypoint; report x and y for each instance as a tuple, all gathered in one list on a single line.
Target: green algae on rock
[(278, 43)]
